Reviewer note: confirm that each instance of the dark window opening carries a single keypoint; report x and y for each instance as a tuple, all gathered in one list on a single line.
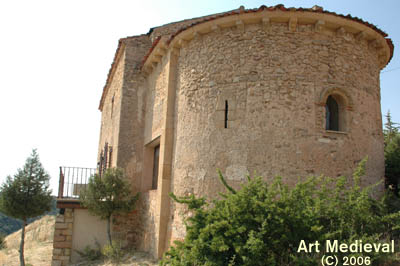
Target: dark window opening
[(105, 159), (155, 166), (110, 157), (226, 114), (332, 114), (112, 106)]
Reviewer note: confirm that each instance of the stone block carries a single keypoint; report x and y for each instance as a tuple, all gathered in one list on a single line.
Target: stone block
[(65, 263), (58, 232), (67, 252), (61, 226), (59, 238), (56, 263), (67, 232), (62, 244), (57, 251)]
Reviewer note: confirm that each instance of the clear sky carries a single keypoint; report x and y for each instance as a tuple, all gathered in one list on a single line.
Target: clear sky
[(55, 56)]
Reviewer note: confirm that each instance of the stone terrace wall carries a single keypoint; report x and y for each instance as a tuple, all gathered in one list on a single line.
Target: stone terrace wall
[(62, 244)]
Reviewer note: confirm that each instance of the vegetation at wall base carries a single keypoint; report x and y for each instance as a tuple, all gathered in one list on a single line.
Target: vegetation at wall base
[(115, 252), (89, 253), (107, 195), (263, 223)]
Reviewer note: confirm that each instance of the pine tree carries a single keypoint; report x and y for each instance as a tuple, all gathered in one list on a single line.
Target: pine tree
[(26, 195), (392, 154), (391, 129), (107, 195)]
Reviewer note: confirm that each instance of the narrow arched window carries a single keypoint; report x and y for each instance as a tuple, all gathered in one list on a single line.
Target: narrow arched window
[(332, 114)]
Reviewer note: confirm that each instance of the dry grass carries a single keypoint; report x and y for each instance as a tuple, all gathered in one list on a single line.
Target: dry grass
[(38, 244), (38, 254), (131, 259)]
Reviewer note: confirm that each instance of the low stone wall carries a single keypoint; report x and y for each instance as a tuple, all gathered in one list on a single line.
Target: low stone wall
[(63, 238)]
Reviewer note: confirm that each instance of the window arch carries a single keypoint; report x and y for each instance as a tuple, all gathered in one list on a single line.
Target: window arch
[(335, 113), (332, 114)]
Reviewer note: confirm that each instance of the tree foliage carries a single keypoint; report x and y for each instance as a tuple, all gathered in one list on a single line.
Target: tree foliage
[(392, 153), (107, 195), (10, 225), (263, 224), (27, 194), (391, 129)]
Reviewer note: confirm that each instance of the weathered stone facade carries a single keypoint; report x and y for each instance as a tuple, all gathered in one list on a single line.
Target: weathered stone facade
[(243, 91), (62, 242)]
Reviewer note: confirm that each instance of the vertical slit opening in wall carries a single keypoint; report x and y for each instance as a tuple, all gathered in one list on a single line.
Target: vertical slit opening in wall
[(226, 115), (112, 106), (156, 160)]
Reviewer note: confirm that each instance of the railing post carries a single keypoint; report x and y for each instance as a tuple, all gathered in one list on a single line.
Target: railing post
[(61, 184)]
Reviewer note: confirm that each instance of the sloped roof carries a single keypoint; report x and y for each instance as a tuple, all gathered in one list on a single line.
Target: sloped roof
[(280, 7)]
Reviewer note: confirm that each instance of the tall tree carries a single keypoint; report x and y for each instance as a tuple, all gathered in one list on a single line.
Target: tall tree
[(392, 154), (26, 195), (392, 163), (391, 128), (107, 195)]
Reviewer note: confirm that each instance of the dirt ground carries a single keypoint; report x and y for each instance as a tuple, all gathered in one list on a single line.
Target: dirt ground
[(36, 255)]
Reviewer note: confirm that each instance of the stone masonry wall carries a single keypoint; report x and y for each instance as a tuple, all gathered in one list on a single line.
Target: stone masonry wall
[(110, 115), (63, 238), (275, 74), (274, 82), (137, 227), (131, 127), (171, 28)]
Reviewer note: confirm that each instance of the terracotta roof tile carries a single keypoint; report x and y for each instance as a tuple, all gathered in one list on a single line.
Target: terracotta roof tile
[(283, 8)]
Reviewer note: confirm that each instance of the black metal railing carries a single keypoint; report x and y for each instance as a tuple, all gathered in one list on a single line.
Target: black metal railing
[(73, 180)]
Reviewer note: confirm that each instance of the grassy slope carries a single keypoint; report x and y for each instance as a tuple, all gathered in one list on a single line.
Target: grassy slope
[(9, 225)]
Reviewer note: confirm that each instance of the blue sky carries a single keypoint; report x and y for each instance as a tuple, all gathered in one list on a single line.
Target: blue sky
[(55, 56)]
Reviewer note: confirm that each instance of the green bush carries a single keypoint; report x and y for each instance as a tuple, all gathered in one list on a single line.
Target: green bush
[(91, 254), (114, 252), (392, 160), (263, 224)]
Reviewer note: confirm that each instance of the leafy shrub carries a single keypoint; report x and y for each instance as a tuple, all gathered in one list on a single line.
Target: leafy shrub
[(114, 252), (91, 254), (263, 224), (392, 160)]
